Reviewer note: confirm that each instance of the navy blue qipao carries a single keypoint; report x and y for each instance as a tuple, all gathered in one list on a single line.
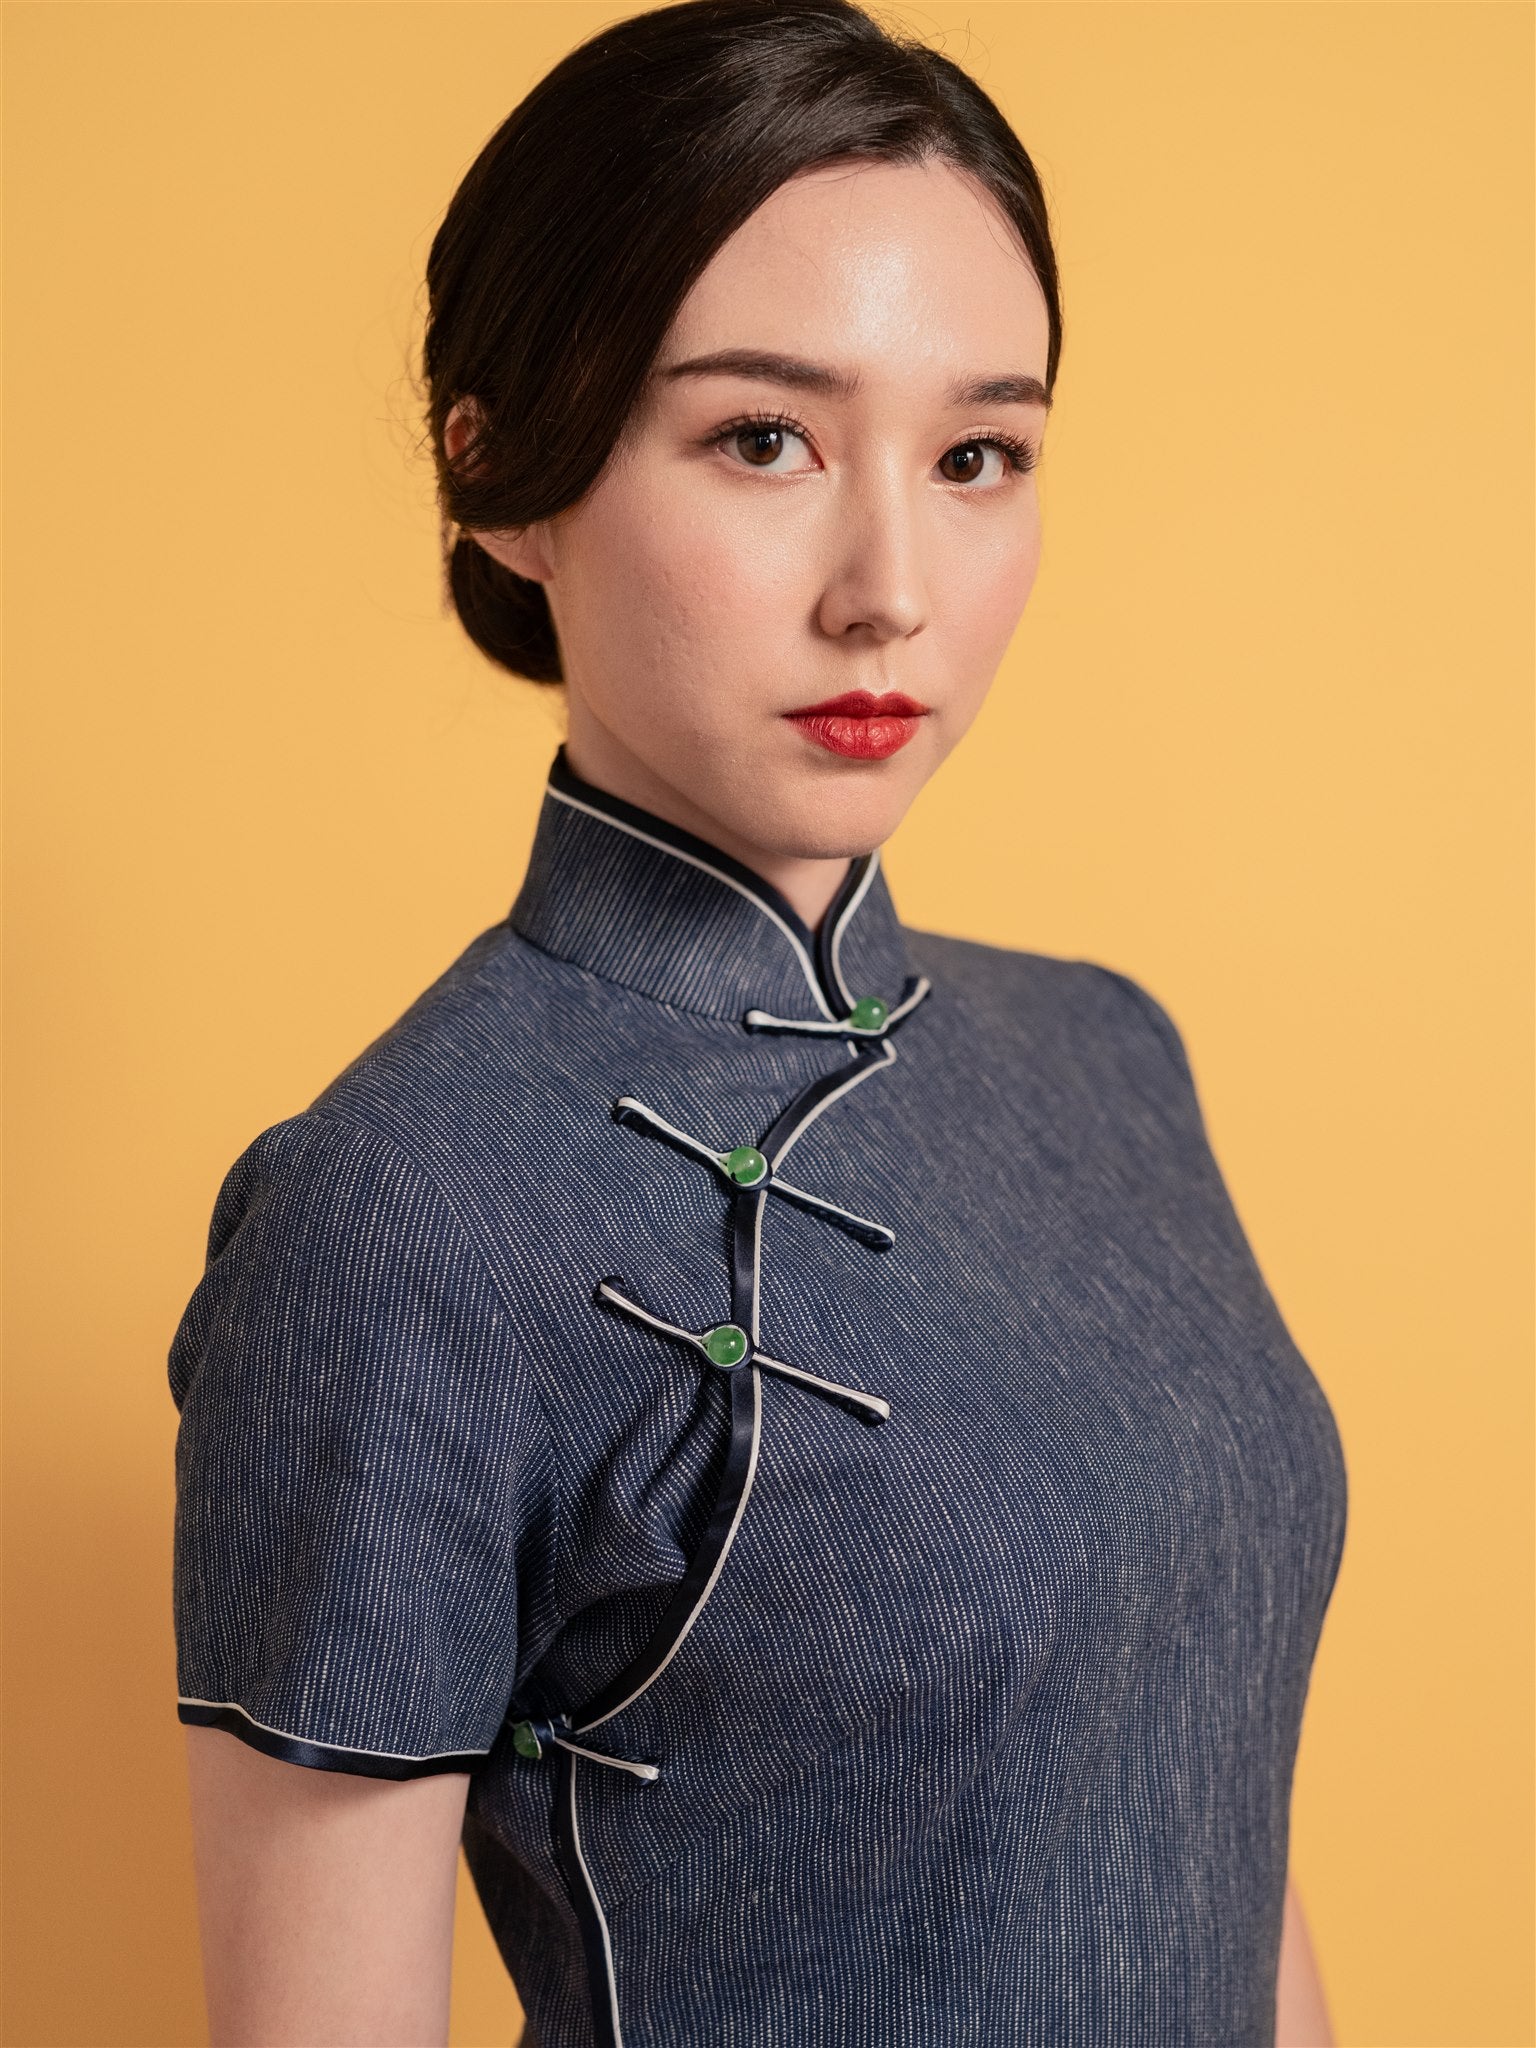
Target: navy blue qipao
[(797, 1418)]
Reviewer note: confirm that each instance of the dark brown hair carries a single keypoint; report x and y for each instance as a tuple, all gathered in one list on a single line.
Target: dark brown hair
[(583, 223)]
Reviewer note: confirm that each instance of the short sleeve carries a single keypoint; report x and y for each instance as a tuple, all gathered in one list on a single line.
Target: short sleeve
[(360, 1465)]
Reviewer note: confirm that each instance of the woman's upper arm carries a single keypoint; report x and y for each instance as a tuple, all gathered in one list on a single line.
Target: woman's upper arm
[(1301, 2009), (325, 1899)]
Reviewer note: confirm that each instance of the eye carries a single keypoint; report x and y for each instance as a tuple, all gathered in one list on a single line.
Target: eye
[(758, 438), (1018, 456)]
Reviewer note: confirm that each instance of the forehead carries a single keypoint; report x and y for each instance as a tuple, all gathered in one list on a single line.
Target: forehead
[(909, 275)]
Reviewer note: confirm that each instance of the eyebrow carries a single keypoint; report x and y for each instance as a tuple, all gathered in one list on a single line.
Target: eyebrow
[(767, 367)]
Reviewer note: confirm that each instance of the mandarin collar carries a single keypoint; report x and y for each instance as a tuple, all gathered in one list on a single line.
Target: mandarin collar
[(631, 897)]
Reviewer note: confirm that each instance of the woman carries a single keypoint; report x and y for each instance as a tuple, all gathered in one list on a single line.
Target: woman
[(762, 1420)]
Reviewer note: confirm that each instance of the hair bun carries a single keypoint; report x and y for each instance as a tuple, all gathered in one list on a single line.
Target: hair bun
[(506, 615)]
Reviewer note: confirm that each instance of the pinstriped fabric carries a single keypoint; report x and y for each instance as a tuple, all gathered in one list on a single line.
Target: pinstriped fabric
[(985, 1730)]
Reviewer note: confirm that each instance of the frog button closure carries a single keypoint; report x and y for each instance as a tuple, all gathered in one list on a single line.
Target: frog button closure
[(536, 1738), (871, 1017)]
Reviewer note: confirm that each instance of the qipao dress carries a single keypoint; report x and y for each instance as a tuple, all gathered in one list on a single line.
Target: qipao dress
[(797, 1419)]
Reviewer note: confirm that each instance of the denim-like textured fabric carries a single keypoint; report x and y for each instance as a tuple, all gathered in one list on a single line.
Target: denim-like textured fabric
[(983, 1737)]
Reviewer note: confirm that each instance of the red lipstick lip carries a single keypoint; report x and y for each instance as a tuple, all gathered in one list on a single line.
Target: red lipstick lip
[(860, 726), (862, 704)]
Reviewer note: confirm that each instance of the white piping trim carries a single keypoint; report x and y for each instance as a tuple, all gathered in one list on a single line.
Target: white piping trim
[(882, 1408), (725, 1551), (788, 1187), (597, 1906), (757, 1264), (837, 934), (912, 1001), (646, 1771), (656, 1322), (404, 1756), (842, 1028), (720, 876), (695, 1145), (838, 1028), (862, 1072)]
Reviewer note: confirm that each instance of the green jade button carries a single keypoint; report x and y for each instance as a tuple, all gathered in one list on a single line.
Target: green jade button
[(746, 1165), (525, 1742), (726, 1344), (869, 1013)]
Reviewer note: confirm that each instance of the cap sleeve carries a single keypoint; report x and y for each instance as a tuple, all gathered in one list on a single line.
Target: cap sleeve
[(359, 1465)]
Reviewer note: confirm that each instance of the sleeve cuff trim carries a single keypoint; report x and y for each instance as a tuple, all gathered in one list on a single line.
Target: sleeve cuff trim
[(333, 1756)]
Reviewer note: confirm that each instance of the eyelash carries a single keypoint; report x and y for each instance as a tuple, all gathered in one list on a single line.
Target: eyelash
[(1020, 456)]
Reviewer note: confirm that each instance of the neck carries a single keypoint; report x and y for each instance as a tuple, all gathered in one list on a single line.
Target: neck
[(807, 882)]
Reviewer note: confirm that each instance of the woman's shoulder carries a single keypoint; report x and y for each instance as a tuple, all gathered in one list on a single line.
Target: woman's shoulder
[(1039, 994), (485, 1025), (401, 1113)]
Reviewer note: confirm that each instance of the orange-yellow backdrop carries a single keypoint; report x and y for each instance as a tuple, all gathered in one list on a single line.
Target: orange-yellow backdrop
[(1262, 740)]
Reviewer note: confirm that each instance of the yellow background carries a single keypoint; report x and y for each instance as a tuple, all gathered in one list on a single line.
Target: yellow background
[(1262, 740)]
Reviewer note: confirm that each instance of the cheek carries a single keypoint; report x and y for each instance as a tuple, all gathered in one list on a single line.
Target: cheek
[(670, 573), (987, 585), (670, 615)]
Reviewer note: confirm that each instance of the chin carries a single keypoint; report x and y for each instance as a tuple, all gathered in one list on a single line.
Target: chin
[(816, 815)]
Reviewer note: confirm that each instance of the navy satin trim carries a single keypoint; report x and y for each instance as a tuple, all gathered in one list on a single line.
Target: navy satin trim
[(743, 1386), (746, 1222), (321, 1756)]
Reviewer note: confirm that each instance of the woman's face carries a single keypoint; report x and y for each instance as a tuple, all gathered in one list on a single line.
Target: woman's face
[(833, 511)]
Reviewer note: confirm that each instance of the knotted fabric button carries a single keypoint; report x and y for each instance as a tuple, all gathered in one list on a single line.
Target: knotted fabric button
[(746, 1165), (726, 1344), (869, 1013)]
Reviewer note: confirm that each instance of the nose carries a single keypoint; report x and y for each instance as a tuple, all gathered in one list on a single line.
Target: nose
[(877, 578)]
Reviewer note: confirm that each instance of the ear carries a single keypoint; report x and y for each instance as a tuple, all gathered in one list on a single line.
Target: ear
[(522, 549)]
